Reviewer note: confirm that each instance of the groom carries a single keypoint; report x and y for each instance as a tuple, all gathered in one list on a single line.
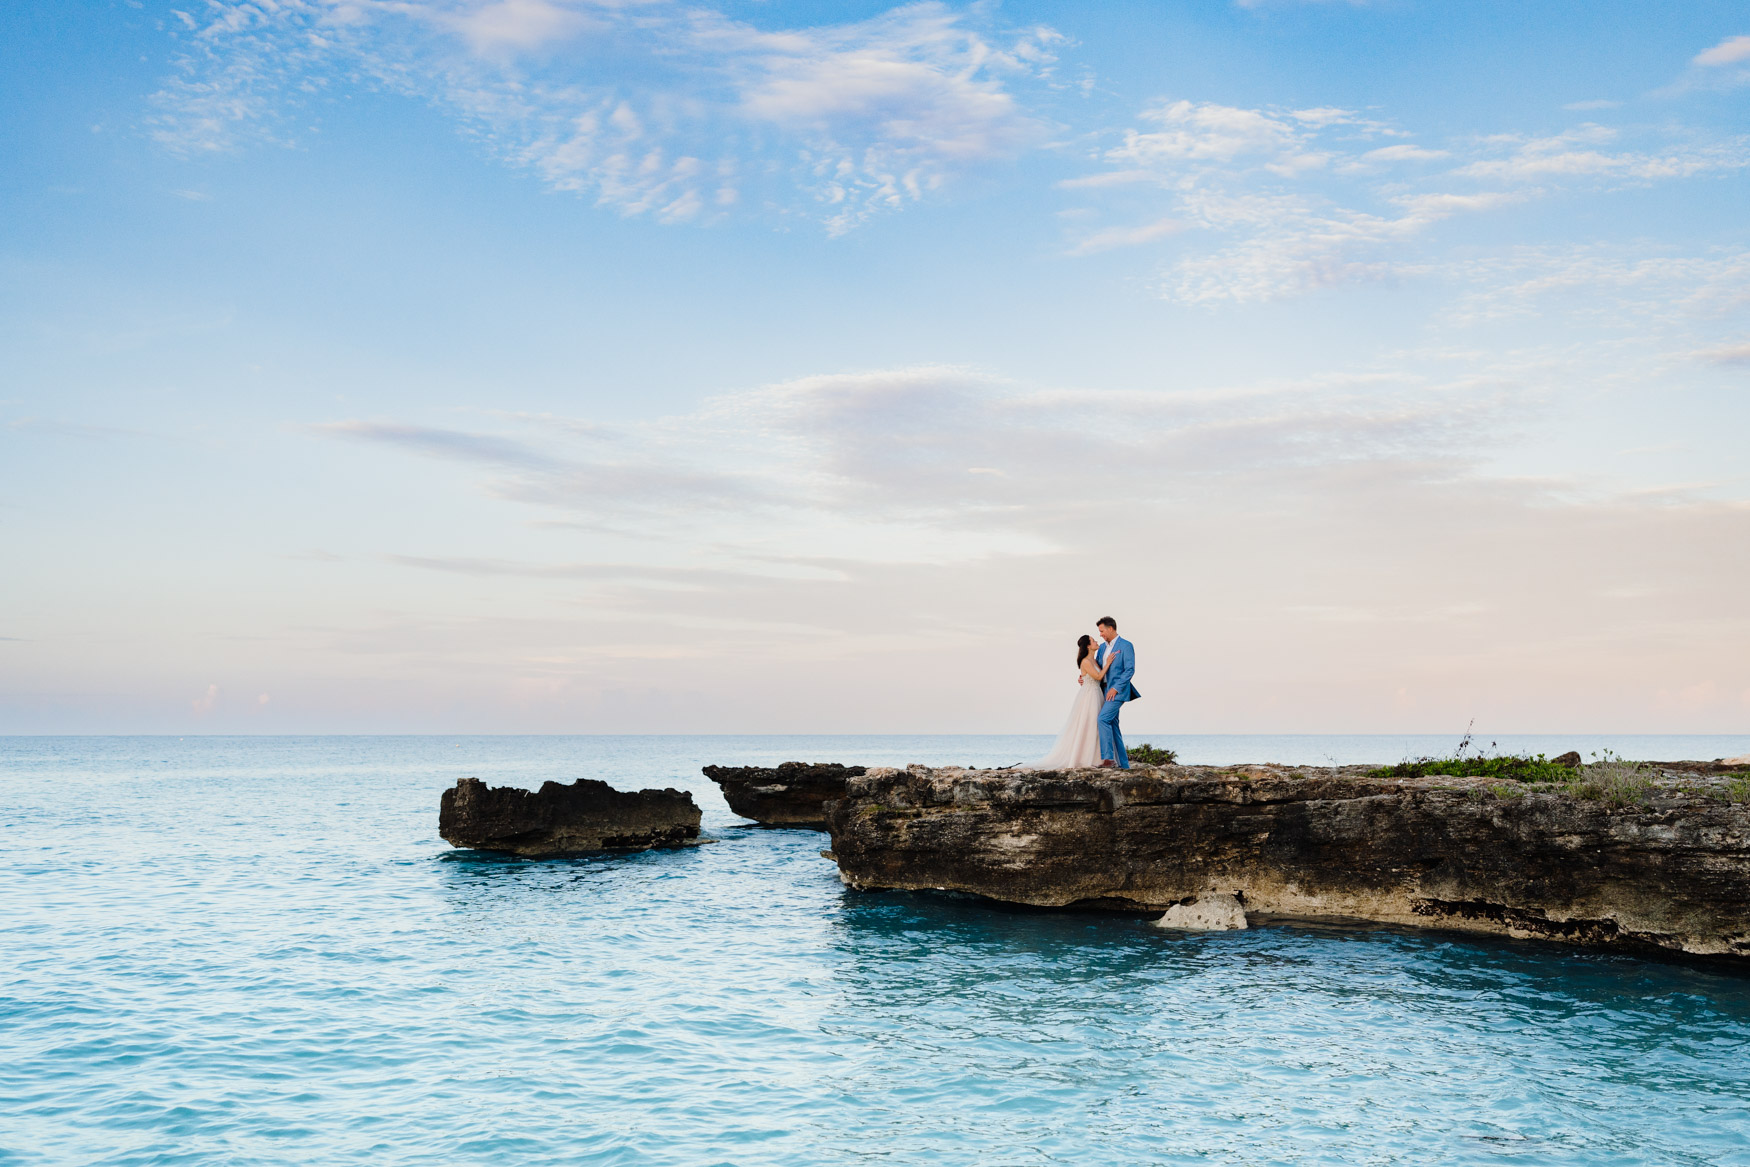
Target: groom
[(1122, 654)]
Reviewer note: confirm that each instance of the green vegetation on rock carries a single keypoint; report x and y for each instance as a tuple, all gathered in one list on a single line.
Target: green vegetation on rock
[(1152, 756), (1616, 783), (1512, 768)]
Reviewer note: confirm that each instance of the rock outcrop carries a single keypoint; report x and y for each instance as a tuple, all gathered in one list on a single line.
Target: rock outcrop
[(565, 820), (791, 795), (1659, 861), (1205, 913)]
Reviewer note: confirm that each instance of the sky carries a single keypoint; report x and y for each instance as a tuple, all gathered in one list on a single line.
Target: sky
[(627, 366)]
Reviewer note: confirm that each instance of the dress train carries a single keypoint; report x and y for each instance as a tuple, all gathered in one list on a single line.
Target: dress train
[(1078, 746)]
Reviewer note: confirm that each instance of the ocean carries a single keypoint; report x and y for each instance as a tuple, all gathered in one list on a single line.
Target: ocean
[(258, 951)]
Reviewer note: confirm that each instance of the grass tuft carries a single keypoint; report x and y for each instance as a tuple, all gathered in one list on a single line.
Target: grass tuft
[(1613, 781), (1152, 755)]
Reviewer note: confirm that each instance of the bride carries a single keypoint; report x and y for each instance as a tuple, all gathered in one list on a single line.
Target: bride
[(1078, 746)]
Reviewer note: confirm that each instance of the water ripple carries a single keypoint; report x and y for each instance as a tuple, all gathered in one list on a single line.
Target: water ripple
[(245, 951)]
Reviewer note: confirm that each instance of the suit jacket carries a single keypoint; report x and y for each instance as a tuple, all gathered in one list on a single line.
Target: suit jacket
[(1123, 668)]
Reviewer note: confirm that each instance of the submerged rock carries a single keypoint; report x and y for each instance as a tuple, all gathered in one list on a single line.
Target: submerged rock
[(1658, 860), (565, 820), (791, 795)]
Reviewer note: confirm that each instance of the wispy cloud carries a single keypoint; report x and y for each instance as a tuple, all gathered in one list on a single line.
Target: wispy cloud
[(1402, 152), (1734, 354), (1127, 236), (1734, 50), (1582, 153), (1723, 66), (902, 511), (442, 443), (841, 121), (1277, 203), (940, 464), (1624, 285)]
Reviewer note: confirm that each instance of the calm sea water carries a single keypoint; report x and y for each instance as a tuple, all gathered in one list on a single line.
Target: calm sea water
[(247, 950)]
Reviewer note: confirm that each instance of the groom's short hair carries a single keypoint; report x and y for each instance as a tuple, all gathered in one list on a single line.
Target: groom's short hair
[(1108, 622)]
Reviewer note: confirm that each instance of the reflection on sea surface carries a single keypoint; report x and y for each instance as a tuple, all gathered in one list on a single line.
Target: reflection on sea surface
[(226, 951)]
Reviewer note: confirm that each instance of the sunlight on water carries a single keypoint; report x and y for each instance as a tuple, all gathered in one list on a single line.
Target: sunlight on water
[(258, 950)]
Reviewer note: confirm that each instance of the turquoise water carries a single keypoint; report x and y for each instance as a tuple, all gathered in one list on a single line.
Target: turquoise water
[(237, 951)]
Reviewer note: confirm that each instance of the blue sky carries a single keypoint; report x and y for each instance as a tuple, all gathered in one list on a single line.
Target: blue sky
[(556, 365)]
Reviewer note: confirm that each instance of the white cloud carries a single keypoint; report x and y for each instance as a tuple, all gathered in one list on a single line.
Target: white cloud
[(444, 443), (1735, 354), (1730, 51), (1324, 115), (1127, 236), (1725, 66), (1265, 3), (1290, 246), (1404, 152), (1280, 203), (516, 25), (203, 705), (1557, 157), (1628, 288), (1192, 132), (856, 118)]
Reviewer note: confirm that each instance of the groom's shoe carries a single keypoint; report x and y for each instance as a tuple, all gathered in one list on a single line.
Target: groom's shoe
[(1108, 763)]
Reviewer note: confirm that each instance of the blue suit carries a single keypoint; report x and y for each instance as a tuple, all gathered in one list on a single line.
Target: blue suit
[(1122, 654)]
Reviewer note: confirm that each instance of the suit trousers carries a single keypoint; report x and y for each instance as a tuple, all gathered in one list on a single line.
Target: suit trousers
[(1111, 740)]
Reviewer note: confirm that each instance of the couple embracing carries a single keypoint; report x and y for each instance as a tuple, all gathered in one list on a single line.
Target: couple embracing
[(1091, 736)]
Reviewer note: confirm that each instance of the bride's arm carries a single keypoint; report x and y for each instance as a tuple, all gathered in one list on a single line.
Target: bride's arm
[(1098, 672)]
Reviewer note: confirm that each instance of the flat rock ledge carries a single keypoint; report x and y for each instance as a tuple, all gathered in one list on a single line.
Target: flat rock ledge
[(1665, 865), (565, 820), (794, 794)]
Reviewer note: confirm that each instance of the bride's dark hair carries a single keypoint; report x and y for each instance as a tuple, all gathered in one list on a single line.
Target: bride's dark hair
[(1082, 648)]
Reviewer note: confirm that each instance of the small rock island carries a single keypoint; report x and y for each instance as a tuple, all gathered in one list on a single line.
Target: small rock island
[(557, 819), (1658, 860)]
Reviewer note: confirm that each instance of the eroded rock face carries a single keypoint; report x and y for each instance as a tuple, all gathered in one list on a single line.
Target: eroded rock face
[(791, 795), (1668, 869), (565, 820)]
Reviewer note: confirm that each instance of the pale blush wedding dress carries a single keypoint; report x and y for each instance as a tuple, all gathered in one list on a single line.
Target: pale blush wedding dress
[(1078, 745)]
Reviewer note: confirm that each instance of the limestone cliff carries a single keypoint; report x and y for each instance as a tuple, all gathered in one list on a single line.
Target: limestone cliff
[(1664, 864)]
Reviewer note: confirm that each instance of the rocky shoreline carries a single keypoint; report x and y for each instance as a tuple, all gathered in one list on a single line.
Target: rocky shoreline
[(1659, 862), (1648, 856)]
